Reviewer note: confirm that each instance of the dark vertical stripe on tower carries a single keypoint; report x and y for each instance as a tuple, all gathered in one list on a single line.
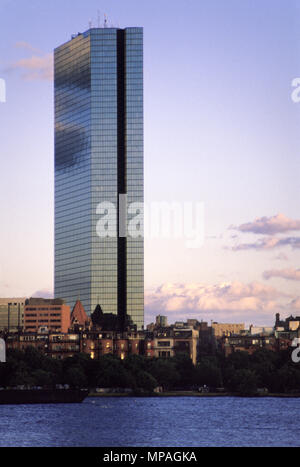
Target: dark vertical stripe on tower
[(122, 185)]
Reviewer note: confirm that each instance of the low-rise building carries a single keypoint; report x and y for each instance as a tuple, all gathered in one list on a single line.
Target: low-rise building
[(77, 333), (186, 341), (266, 330), (247, 343), (163, 345), (166, 342), (11, 314), (225, 329), (51, 313), (62, 345), (289, 324)]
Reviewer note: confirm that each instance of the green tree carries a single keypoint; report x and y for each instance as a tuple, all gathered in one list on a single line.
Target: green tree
[(146, 381), (208, 373), (165, 372), (42, 377), (75, 377), (187, 374), (246, 382)]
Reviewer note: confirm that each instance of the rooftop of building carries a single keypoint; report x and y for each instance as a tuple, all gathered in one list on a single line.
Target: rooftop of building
[(36, 301), (78, 315), (12, 300), (95, 29)]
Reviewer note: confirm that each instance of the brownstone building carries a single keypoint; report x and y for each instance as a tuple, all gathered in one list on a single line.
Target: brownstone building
[(166, 342), (247, 343)]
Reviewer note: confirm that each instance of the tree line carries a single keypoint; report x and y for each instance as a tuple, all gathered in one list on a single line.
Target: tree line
[(238, 373)]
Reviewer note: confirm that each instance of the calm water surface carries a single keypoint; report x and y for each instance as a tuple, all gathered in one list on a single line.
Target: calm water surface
[(167, 422)]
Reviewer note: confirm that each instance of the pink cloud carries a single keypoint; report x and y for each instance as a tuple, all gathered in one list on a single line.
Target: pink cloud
[(234, 300), (281, 257), (261, 244), (295, 304), (35, 67), (26, 46), (269, 225), (289, 273), (269, 243)]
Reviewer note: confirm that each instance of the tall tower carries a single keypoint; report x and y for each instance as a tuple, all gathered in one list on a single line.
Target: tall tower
[(98, 165)]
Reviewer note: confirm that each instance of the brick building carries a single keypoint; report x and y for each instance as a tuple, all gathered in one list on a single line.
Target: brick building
[(52, 314)]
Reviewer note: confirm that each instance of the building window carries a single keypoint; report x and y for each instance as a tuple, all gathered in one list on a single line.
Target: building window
[(164, 343), (164, 354)]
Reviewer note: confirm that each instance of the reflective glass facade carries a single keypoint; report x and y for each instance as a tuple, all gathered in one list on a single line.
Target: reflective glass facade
[(98, 156)]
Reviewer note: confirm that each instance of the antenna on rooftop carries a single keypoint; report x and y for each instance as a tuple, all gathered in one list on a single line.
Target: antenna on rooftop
[(90, 24), (105, 20)]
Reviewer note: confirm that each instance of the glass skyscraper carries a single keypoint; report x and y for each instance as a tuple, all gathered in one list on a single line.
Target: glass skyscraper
[(99, 163)]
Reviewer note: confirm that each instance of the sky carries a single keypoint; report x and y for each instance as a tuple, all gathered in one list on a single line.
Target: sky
[(221, 129)]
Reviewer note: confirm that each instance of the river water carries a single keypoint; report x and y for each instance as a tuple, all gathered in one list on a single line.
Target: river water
[(154, 422)]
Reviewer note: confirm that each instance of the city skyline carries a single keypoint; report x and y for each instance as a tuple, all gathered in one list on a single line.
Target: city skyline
[(221, 128)]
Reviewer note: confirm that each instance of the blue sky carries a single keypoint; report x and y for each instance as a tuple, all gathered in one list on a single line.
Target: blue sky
[(220, 128)]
